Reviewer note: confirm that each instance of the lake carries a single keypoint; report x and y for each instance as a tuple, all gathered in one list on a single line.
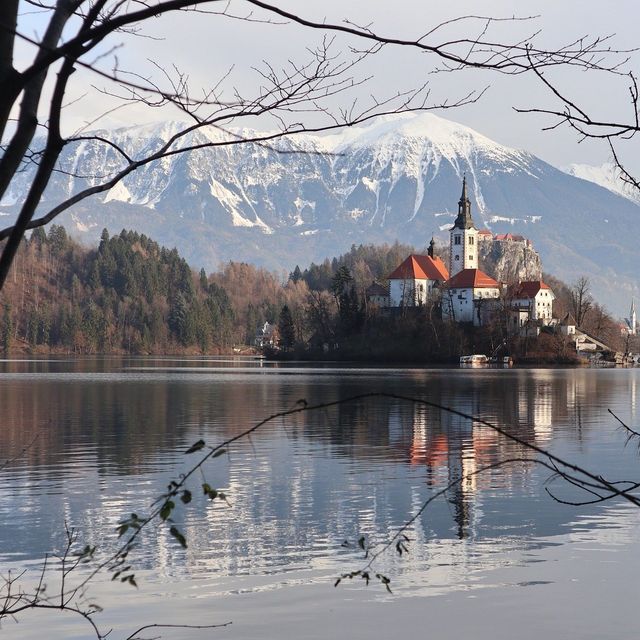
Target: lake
[(90, 441)]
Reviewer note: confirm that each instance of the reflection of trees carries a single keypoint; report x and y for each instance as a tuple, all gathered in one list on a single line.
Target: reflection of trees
[(125, 419), (136, 425), (133, 418), (531, 404)]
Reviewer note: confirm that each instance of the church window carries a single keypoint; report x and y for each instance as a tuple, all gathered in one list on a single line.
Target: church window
[(471, 239), (456, 240), (470, 257), (457, 258)]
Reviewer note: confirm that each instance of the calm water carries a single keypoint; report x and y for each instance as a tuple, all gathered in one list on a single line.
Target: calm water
[(494, 557)]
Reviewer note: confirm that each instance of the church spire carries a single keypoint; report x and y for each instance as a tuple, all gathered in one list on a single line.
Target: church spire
[(464, 220), (430, 250), (463, 197)]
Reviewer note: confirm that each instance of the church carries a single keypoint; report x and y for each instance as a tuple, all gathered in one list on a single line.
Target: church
[(469, 295), (464, 293)]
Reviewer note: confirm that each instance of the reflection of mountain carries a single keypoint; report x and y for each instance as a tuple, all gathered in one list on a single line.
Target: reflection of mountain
[(111, 440)]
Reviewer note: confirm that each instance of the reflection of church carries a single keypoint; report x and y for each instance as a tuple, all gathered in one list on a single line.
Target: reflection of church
[(463, 291), (453, 450)]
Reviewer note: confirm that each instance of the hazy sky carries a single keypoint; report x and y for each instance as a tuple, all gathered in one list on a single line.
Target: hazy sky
[(206, 47)]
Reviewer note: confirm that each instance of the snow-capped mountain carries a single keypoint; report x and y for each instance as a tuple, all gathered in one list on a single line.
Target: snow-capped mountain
[(607, 175), (308, 197)]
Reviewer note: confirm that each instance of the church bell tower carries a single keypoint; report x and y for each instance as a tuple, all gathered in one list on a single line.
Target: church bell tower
[(464, 237)]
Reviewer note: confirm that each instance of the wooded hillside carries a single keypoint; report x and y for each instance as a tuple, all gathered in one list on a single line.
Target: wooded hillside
[(128, 295)]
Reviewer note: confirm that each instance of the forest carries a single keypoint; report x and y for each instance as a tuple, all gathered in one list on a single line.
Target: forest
[(129, 295)]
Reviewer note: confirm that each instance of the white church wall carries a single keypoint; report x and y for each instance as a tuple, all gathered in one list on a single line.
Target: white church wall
[(470, 305), (409, 292)]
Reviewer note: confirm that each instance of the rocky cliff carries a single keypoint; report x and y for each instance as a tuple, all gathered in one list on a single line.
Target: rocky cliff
[(509, 260)]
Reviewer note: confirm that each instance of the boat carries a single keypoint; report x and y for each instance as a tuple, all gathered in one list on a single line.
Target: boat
[(475, 359)]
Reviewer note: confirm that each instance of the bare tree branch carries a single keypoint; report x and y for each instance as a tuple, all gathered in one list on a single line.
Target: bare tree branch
[(290, 95)]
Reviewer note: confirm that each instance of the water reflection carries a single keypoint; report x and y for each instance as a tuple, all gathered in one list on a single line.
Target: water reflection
[(109, 435)]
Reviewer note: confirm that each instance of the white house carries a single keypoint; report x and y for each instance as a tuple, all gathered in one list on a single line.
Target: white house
[(470, 296), (534, 296), (266, 335), (378, 295), (530, 307), (567, 326), (414, 281)]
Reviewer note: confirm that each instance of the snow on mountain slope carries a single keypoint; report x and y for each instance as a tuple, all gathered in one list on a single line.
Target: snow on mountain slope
[(606, 175), (306, 197)]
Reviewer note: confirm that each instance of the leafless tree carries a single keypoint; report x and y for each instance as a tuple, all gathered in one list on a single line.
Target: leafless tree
[(581, 300), (588, 123), (81, 35)]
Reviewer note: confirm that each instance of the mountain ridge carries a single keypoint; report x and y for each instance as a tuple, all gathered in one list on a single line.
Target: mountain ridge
[(310, 196)]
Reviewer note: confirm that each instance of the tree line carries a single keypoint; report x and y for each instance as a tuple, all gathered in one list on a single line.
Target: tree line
[(130, 295)]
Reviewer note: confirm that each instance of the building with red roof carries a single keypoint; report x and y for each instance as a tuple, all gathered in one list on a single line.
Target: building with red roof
[(413, 282), (534, 296), (472, 279), (511, 237), (470, 296), (466, 293)]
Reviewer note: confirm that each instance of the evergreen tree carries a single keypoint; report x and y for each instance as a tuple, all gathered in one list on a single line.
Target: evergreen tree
[(58, 239), (204, 282), (287, 329), (341, 285), (39, 236), (296, 274), (104, 240)]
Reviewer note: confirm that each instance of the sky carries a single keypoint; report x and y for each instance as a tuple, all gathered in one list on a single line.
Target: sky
[(206, 47)]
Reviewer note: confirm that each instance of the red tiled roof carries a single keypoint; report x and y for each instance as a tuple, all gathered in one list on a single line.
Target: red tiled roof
[(510, 236), (485, 232), (421, 268), (471, 279), (528, 289)]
